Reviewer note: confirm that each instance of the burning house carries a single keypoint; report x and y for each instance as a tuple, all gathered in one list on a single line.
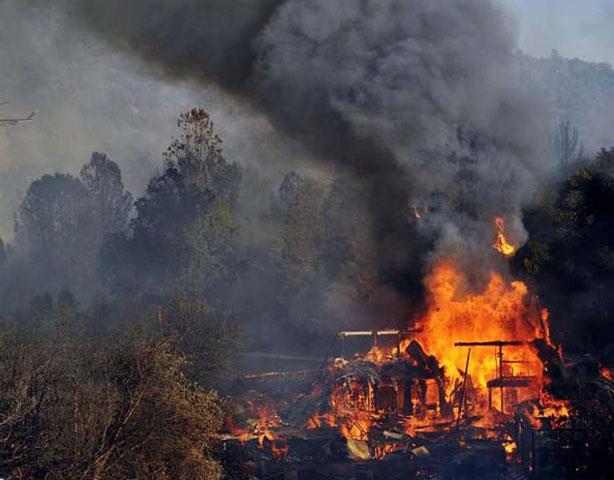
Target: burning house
[(476, 384)]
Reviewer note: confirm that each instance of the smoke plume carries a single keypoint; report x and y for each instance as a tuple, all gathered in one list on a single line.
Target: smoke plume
[(416, 98)]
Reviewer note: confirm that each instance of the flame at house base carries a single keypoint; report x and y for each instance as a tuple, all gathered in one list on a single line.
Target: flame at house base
[(470, 356), (468, 360), (504, 312)]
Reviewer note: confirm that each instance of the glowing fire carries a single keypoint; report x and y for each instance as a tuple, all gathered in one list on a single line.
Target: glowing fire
[(503, 311), (352, 411), (267, 420), (498, 322), (501, 244), (547, 412)]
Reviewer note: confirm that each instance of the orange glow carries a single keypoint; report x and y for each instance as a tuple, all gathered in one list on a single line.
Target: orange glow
[(380, 451), (501, 244), (351, 410), (416, 213), (503, 311), (510, 448), (548, 412), (504, 371), (267, 419)]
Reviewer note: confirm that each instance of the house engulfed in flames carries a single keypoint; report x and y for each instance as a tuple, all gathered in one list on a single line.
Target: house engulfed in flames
[(471, 371)]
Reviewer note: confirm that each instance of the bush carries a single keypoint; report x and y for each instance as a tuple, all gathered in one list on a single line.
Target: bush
[(84, 408)]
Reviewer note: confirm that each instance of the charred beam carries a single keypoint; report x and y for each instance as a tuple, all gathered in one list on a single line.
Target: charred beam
[(492, 343)]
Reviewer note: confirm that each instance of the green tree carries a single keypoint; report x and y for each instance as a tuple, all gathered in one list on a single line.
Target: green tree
[(197, 189), (55, 232), (211, 241), (111, 203), (302, 232), (570, 253)]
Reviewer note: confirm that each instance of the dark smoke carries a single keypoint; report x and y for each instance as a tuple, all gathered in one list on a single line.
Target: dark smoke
[(203, 40), (411, 96)]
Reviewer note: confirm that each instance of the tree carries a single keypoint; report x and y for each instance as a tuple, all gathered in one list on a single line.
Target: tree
[(60, 226), (111, 202), (55, 231), (211, 241), (570, 254), (302, 231), (568, 148), (3, 255), (3, 264), (196, 192), (197, 155), (348, 248)]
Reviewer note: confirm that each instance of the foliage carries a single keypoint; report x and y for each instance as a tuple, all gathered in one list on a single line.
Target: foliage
[(567, 145), (211, 239), (178, 225), (570, 254), (251, 250), (111, 203), (77, 407), (61, 224), (55, 232), (302, 231), (206, 337)]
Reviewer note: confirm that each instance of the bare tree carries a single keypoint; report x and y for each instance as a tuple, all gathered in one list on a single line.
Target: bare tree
[(568, 147)]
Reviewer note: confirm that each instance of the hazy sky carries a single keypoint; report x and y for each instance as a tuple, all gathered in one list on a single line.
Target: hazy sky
[(576, 28)]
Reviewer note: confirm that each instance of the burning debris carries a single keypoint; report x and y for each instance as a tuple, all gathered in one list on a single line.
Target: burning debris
[(478, 382)]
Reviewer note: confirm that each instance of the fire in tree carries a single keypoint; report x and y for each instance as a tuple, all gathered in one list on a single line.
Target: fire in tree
[(502, 245)]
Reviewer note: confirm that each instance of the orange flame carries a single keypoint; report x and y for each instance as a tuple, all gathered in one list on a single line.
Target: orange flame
[(261, 430), (501, 244), (503, 311)]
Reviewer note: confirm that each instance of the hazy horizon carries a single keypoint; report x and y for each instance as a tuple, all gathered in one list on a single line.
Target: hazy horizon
[(575, 29)]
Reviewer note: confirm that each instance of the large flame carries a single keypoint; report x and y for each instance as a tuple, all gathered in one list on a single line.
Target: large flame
[(483, 340), (503, 311)]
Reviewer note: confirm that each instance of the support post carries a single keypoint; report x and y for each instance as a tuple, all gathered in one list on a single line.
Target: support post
[(501, 376), (464, 392)]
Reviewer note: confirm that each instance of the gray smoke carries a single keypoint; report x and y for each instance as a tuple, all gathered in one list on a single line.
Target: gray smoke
[(91, 97), (418, 98), (184, 38)]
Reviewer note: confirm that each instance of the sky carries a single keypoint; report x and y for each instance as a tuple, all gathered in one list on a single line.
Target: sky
[(576, 28), (91, 98)]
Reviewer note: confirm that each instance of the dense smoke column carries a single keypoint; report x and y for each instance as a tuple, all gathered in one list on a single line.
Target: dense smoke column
[(206, 40), (388, 89)]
